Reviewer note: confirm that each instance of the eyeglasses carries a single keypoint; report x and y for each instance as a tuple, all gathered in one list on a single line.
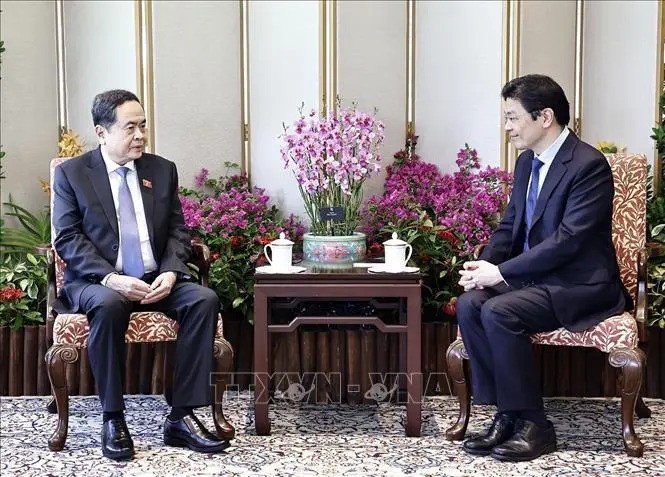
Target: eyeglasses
[(513, 118)]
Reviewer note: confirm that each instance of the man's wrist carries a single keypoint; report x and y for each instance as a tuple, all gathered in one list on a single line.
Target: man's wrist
[(106, 278)]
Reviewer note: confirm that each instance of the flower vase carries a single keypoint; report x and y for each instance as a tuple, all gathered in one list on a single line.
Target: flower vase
[(334, 251)]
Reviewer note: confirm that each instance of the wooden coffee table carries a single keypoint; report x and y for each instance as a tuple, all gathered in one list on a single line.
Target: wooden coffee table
[(337, 285)]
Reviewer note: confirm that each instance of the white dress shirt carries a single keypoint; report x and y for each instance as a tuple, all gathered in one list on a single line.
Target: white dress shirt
[(149, 263), (547, 156)]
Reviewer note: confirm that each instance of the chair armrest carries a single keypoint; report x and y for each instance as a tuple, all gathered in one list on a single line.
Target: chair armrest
[(51, 287), (201, 259), (641, 303)]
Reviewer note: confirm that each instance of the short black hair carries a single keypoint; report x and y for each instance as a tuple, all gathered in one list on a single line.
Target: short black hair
[(537, 92), (105, 104)]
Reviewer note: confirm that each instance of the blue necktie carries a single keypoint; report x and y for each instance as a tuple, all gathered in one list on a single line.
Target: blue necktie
[(531, 198), (132, 261)]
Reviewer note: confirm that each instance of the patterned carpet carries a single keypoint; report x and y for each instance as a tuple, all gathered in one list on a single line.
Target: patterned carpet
[(309, 440)]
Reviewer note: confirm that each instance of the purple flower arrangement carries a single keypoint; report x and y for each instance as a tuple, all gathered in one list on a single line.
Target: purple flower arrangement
[(331, 156), (235, 221), (443, 216)]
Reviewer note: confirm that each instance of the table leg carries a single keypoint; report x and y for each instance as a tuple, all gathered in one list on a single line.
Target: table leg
[(261, 363), (414, 384)]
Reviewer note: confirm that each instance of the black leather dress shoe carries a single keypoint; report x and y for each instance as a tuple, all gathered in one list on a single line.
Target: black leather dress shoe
[(190, 432), (502, 428), (529, 442), (116, 442)]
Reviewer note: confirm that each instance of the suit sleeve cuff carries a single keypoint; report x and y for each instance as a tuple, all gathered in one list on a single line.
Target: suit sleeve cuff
[(501, 276), (106, 278)]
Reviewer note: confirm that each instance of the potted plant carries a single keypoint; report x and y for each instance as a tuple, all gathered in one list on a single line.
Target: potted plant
[(443, 216), (331, 156), (607, 147), (235, 221), (656, 229), (22, 310)]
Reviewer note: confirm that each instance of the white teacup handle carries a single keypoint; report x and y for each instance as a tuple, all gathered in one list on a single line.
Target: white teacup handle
[(265, 252), (408, 256)]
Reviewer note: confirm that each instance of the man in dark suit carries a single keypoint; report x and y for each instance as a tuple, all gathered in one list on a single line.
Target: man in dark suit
[(120, 230), (550, 264)]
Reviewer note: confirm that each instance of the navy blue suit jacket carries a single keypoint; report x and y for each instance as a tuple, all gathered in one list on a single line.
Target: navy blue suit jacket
[(571, 251), (86, 226)]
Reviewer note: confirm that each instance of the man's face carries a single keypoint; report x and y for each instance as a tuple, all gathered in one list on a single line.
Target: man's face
[(523, 131), (124, 140)]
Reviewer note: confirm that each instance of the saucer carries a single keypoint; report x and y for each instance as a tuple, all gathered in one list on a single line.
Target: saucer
[(273, 270), (382, 269)]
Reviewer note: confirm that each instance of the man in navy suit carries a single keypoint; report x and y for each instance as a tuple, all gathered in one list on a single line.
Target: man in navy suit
[(550, 264), (120, 230)]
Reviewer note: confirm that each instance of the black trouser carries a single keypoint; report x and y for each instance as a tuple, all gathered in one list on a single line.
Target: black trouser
[(495, 324), (194, 307)]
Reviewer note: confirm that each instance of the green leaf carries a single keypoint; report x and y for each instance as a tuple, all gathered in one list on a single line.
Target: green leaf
[(237, 302), (33, 291)]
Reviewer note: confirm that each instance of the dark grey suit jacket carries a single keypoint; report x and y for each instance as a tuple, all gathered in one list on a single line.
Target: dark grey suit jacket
[(86, 227), (571, 251)]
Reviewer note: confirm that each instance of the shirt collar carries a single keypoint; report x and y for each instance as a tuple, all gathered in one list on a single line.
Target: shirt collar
[(548, 155), (112, 166)]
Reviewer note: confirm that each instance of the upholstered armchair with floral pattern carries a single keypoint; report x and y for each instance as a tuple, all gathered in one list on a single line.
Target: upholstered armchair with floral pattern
[(618, 336), (68, 333)]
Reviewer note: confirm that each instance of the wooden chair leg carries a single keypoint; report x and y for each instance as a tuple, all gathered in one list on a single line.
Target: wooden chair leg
[(631, 361), (641, 408), (223, 369), (57, 358), (459, 373)]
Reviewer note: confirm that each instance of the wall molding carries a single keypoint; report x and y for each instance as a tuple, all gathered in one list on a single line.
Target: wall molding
[(145, 82), (410, 126), (510, 67), (245, 143), (327, 56), (63, 120), (660, 79), (579, 67)]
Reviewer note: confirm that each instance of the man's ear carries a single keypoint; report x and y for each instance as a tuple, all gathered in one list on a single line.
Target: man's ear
[(100, 132), (548, 117)]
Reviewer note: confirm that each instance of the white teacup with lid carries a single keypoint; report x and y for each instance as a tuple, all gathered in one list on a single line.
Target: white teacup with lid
[(282, 253), (395, 251)]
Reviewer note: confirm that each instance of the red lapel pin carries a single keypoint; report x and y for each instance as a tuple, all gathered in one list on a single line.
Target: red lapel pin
[(147, 183)]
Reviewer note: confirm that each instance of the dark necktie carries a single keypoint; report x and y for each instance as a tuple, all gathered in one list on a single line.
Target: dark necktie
[(132, 261), (531, 198)]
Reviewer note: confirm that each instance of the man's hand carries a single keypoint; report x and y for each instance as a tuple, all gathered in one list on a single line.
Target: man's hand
[(133, 288), (160, 288), (479, 274), (466, 281)]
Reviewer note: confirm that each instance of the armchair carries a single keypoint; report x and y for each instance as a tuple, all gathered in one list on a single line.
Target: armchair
[(68, 333), (618, 336)]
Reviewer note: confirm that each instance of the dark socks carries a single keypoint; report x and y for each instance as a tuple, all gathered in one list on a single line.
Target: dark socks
[(178, 413), (107, 416), (537, 417)]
